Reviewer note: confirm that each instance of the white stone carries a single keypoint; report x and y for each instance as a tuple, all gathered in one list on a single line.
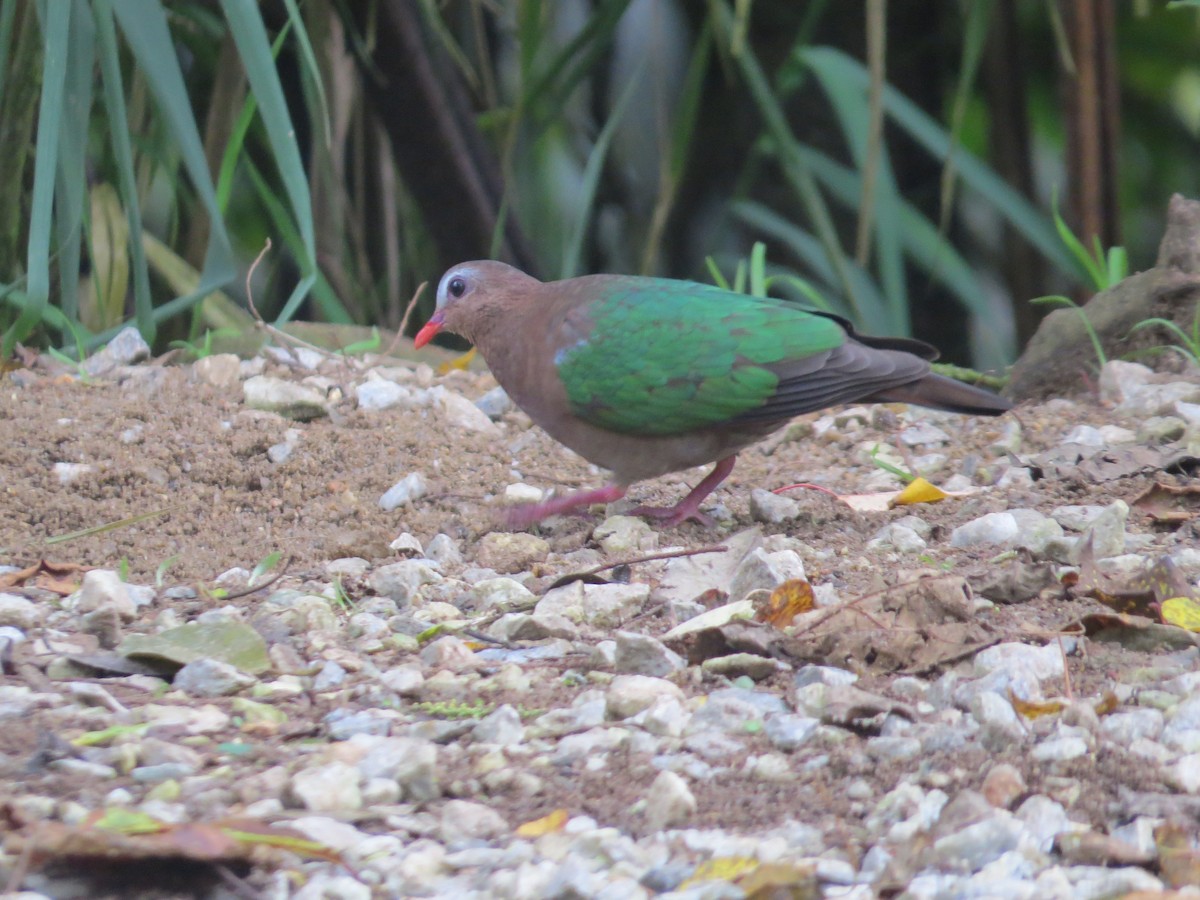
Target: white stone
[(459, 412), (993, 528), (669, 802), (328, 788), (411, 487)]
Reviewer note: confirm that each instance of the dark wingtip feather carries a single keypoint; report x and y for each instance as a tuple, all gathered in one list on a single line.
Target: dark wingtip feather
[(939, 392)]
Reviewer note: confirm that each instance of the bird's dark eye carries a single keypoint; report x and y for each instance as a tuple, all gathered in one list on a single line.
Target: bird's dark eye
[(457, 287)]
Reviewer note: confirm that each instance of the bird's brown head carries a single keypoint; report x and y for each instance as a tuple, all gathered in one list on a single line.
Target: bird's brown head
[(472, 294)]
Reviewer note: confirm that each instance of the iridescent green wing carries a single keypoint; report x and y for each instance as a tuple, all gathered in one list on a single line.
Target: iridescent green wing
[(658, 357)]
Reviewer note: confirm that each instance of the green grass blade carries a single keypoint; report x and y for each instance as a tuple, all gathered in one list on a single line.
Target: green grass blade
[(246, 26), (790, 158), (8, 12), (923, 244), (311, 67), (56, 17), (758, 269), (1023, 216), (549, 91), (871, 313), (71, 194), (114, 104), (852, 108), (714, 272), (591, 179), (975, 30), (1087, 267), (144, 24), (326, 299)]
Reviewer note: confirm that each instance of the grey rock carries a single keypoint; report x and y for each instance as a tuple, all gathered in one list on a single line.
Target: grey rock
[(126, 348), (628, 695), (289, 399), (460, 413), (104, 588), (669, 802), (624, 535), (831, 675), (1160, 429), (893, 749), (732, 709), (495, 403), (463, 821), (378, 393), (970, 848), (409, 488), (500, 593), (899, 537), (211, 678), (68, 473), (738, 665), (221, 370), (597, 605), (788, 731), (405, 680), (773, 509), (1126, 726), (1040, 662), (331, 676), (402, 581), (1060, 749), (444, 550), (1000, 726), (346, 723), (508, 552), (411, 762), (1076, 518), (17, 612), (640, 654), (1045, 819), (332, 787), (347, 567), (994, 528), (502, 726), (1121, 381), (1106, 531)]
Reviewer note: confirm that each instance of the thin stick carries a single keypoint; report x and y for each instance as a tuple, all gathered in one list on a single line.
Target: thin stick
[(247, 591), (1066, 670), (668, 554)]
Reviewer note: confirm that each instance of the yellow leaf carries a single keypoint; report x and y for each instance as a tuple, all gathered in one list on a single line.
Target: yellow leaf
[(459, 362), (723, 868), (547, 824), (771, 880), (919, 491), (787, 601), (1035, 709), (1182, 611)]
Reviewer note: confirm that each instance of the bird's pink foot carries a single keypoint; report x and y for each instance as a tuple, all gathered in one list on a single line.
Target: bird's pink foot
[(528, 513), (689, 506), (673, 515)]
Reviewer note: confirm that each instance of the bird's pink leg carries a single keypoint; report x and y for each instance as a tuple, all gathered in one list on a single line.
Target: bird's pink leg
[(689, 506), (528, 513)]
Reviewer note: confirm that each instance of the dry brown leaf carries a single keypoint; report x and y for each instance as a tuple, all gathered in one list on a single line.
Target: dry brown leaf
[(61, 578), (787, 601), (1168, 504)]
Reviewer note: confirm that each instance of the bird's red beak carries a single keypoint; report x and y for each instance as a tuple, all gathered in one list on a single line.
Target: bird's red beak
[(432, 327)]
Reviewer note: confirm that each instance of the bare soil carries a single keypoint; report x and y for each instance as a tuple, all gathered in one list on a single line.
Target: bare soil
[(164, 442)]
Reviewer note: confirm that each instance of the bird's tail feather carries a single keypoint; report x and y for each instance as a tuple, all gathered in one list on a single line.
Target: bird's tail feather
[(940, 392)]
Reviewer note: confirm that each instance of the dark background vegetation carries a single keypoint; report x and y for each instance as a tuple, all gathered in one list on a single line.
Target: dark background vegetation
[(900, 160)]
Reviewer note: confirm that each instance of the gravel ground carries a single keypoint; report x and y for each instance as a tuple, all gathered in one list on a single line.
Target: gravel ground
[(415, 702)]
